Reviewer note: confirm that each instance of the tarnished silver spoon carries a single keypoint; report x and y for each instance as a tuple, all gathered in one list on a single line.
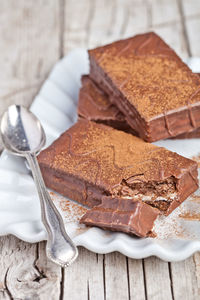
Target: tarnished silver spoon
[(23, 135)]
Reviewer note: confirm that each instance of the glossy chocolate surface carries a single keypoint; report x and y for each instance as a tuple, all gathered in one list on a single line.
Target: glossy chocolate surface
[(126, 215), (158, 94), (90, 161), (94, 105)]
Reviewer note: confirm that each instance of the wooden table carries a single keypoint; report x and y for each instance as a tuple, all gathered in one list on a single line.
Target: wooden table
[(34, 35)]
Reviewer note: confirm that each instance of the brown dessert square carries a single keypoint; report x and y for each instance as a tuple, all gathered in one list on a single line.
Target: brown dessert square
[(92, 160), (94, 105), (158, 94), (127, 181)]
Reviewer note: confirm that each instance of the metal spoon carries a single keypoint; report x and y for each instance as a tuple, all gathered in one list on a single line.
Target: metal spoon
[(23, 135)]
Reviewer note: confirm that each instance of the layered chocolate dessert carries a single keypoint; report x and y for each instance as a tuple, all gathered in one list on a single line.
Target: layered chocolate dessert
[(95, 105), (121, 214), (157, 93), (90, 161)]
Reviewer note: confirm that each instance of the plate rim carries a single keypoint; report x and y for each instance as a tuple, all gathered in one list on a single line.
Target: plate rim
[(119, 241)]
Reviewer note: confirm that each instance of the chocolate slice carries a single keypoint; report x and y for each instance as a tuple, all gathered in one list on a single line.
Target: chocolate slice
[(92, 160), (119, 214), (94, 105), (195, 134), (158, 94)]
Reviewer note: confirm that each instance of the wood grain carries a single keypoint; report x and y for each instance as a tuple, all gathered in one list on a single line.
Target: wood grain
[(185, 281), (29, 47), (192, 27), (84, 279), (34, 35), (116, 279), (164, 12), (25, 272), (191, 8), (158, 283), (136, 279)]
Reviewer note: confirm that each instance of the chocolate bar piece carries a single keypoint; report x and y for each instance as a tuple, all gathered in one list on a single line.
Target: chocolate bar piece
[(158, 94), (119, 214), (94, 105), (92, 160), (195, 134)]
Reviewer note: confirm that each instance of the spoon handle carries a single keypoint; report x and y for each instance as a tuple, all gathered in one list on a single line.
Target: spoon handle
[(60, 247)]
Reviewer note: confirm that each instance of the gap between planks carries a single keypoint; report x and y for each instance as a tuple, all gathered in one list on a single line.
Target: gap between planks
[(184, 29)]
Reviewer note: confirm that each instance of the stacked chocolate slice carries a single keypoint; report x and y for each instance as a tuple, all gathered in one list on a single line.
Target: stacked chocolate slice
[(142, 83), (126, 181), (136, 87), (94, 105)]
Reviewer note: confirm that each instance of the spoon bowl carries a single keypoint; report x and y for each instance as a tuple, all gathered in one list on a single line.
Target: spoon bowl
[(21, 131)]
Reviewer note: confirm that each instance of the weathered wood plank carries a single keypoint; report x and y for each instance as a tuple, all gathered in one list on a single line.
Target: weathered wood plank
[(121, 18), (173, 35), (25, 272), (196, 258), (77, 24), (116, 279), (136, 279), (84, 279), (164, 11), (93, 30), (185, 285), (29, 47), (193, 29), (101, 30), (158, 283), (167, 22), (191, 7), (135, 17)]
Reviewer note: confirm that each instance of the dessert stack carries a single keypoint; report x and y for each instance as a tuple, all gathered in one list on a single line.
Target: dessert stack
[(146, 81), (138, 91)]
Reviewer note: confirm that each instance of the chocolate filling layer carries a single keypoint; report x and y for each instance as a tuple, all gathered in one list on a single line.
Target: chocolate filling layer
[(158, 194)]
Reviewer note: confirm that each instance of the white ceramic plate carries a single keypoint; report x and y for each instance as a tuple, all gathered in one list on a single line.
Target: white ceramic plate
[(178, 236)]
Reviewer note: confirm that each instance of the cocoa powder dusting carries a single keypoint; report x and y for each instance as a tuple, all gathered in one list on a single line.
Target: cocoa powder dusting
[(197, 159), (149, 74), (69, 205), (72, 211), (190, 216)]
